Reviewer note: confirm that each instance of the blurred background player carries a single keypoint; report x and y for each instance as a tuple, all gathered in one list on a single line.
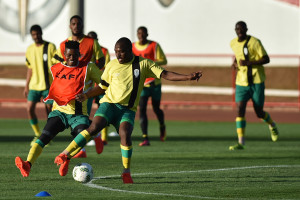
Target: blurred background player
[(90, 51), (119, 104), (70, 79), (250, 56), (152, 86), (105, 52), (39, 78)]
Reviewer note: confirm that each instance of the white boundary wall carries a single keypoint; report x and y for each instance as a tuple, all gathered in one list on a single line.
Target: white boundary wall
[(186, 27)]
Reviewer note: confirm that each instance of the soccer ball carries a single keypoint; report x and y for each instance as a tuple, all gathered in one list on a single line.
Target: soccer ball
[(83, 172)]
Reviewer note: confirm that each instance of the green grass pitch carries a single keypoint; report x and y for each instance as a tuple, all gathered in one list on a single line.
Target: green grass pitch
[(193, 163)]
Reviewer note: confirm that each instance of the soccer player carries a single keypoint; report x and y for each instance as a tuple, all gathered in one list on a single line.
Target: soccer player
[(250, 56), (39, 79), (90, 51), (122, 81), (70, 79), (152, 86), (103, 134)]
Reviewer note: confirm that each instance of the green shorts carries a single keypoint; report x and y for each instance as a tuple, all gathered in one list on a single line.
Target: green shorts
[(70, 120), (154, 91), (36, 96), (256, 92), (115, 114)]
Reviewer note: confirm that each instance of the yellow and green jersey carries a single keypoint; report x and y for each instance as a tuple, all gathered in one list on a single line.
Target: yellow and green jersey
[(256, 51), (93, 74), (38, 59), (117, 80)]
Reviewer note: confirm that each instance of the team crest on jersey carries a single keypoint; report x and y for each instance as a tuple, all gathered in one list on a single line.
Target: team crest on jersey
[(45, 57), (136, 73)]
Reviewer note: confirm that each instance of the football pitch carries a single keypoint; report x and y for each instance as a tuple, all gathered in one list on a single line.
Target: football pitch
[(193, 163)]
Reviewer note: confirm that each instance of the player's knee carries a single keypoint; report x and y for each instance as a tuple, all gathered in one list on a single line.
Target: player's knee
[(46, 137)]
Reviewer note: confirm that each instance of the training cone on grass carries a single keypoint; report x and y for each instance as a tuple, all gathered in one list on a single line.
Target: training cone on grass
[(43, 194)]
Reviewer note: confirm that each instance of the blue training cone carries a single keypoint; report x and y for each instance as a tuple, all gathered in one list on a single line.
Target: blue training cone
[(43, 194)]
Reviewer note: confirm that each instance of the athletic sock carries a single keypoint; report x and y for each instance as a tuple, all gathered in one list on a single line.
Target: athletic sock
[(35, 151), (240, 127), (104, 134), (126, 155), (145, 136), (267, 118), (35, 126), (79, 142)]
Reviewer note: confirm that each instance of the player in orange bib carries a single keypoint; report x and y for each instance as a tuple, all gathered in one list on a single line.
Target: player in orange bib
[(152, 86), (69, 80), (90, 51)]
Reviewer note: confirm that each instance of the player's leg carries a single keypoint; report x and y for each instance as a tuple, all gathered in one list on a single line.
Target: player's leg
[(156, 98), (101, 119), (242, 96), (143, 117), (53, 126), (32, 99), (125, 131), (258, 104)]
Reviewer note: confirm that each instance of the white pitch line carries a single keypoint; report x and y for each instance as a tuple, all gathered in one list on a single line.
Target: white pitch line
[(92, 185)]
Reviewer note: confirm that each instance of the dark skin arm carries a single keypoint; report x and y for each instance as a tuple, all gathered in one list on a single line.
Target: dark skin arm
[(96, 91), (100, 62), (173, 76), (264, 60)]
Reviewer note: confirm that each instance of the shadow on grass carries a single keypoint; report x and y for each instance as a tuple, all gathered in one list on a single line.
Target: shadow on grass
[(155, 138)]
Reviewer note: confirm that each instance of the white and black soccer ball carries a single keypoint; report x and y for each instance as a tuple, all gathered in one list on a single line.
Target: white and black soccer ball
[(83, 172)]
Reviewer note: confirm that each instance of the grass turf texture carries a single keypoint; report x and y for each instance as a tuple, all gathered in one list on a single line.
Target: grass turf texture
[(193, 163)]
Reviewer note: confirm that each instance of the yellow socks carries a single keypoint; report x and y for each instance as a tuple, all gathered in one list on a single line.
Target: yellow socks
[(35, 151), (79, 142), (240, 128), (126, 156), (267, 118), (104, 134), (35, 126)]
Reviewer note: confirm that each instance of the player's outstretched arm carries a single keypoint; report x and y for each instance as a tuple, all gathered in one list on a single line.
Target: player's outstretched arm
[(173, 76), (96, 91)]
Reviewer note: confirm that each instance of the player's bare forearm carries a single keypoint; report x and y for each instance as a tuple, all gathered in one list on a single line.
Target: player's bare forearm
[(96, 91), (173, 76), (264, 60)]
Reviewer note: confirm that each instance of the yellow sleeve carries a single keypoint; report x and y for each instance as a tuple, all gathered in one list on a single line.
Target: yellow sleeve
[(97, 51), (52, 50), (107, 58), (160, 56), (105, 80), (27, 58), (57, 57)]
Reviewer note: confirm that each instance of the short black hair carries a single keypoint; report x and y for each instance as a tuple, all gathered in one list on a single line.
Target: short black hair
[(36, 27), (125, 42), (93, 35), (72, 44), (242, 23), (77, 17), (143, 28)]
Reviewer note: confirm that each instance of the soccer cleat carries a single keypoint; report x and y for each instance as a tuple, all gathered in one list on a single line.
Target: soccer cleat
[(60, 159), (237, 147), (145, 143), (24, 166), (98, 144), (63, 169), (274, 133), (104, 142), (33, 140), (163, 134), (127, 178), (80, 154)]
